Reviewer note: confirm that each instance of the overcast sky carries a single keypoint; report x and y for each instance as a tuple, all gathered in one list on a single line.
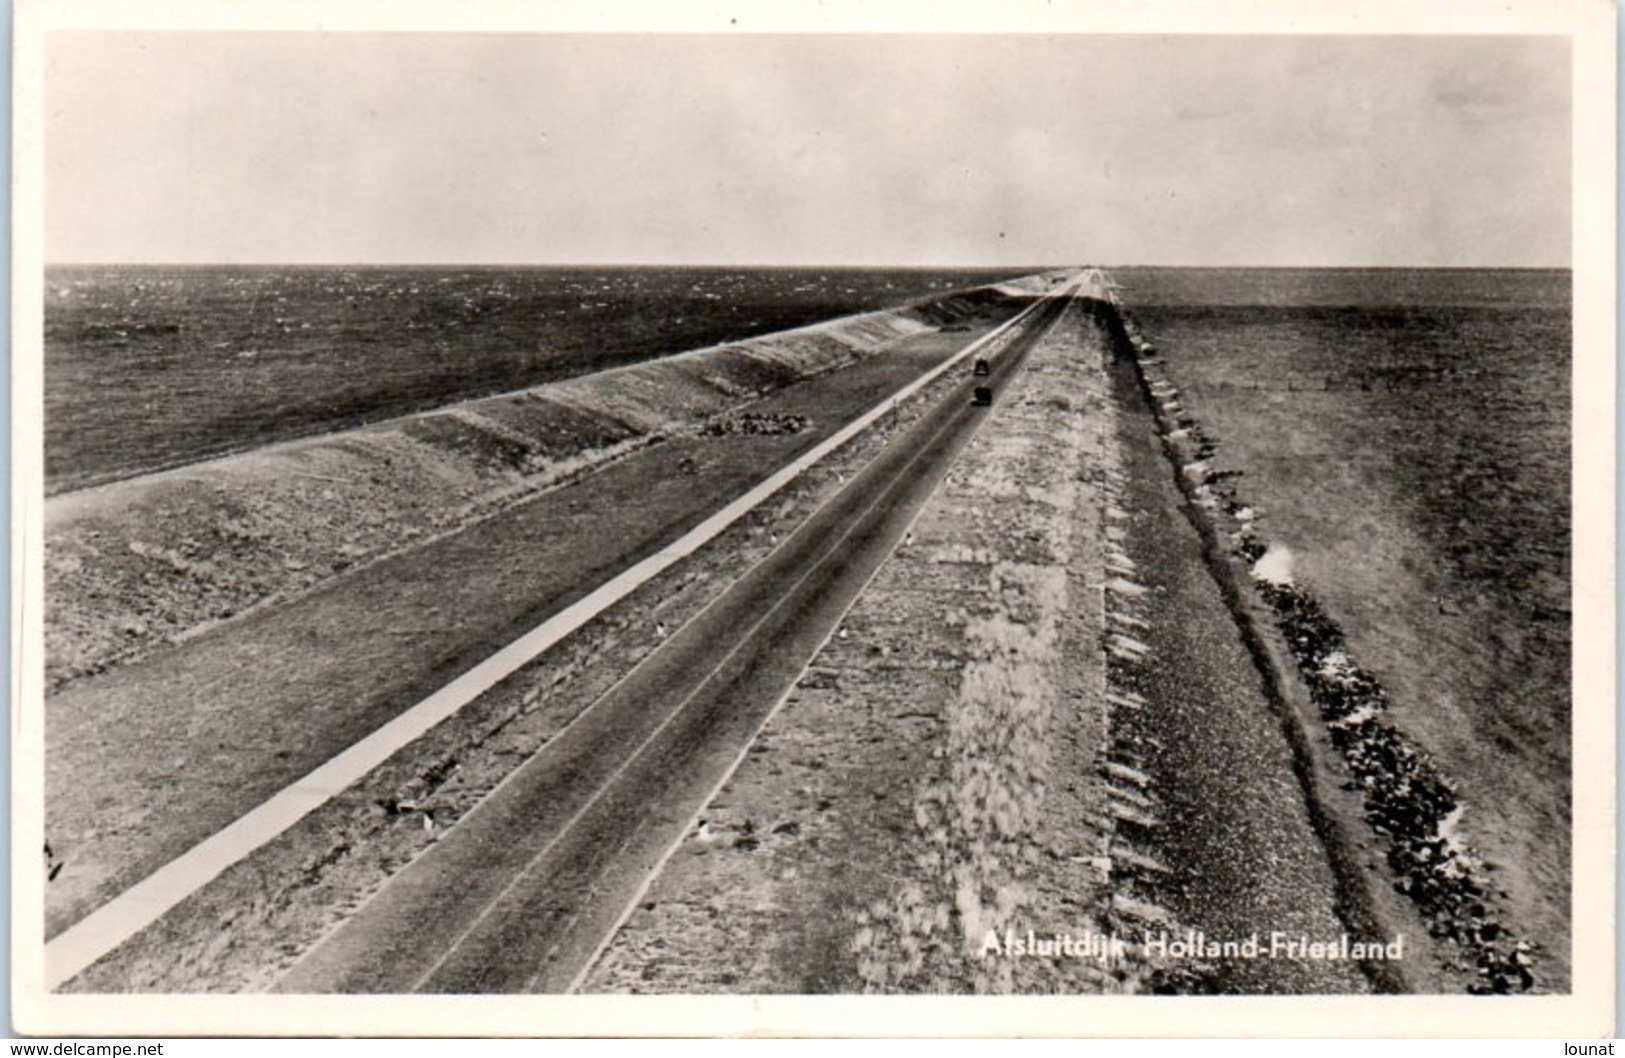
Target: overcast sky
[(805, 149)]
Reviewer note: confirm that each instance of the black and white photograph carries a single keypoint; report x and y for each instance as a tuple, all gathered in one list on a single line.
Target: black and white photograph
[(796, 520)]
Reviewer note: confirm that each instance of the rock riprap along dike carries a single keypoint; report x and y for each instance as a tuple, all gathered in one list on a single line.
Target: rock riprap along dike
[(1059, 745), (1077, 730)]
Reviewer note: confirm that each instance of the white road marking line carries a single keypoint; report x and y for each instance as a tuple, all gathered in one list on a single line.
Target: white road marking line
[(1119, 770), (1131, 796), (852, 527), (1123, 586), (1127, 642), (1128, 813), (691, 824), (608, 784), (137, 907), (1134, 859), (489, 797)]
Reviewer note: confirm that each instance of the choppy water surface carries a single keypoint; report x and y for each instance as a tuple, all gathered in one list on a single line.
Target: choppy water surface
[(148, 367), (1421, 419), (1462, 378)]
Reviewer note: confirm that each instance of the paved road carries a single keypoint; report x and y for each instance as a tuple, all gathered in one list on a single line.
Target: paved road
[(523, 892), (170, 740)]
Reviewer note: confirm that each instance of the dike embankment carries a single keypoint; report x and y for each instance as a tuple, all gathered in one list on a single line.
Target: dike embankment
[(188, 739), (1035, 758), (1393, 823), (931, 779), (132, 565)]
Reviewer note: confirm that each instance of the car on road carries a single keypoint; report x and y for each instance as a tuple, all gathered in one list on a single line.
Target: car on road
[(983, 397), (982, 368)]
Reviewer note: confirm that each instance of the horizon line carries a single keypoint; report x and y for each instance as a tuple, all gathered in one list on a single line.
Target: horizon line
[(881, 266)]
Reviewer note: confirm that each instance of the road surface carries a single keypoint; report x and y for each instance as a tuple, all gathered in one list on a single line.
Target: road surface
[(523, 893)]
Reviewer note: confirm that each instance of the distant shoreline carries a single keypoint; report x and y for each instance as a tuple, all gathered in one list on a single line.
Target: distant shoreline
[(1010, 270)]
